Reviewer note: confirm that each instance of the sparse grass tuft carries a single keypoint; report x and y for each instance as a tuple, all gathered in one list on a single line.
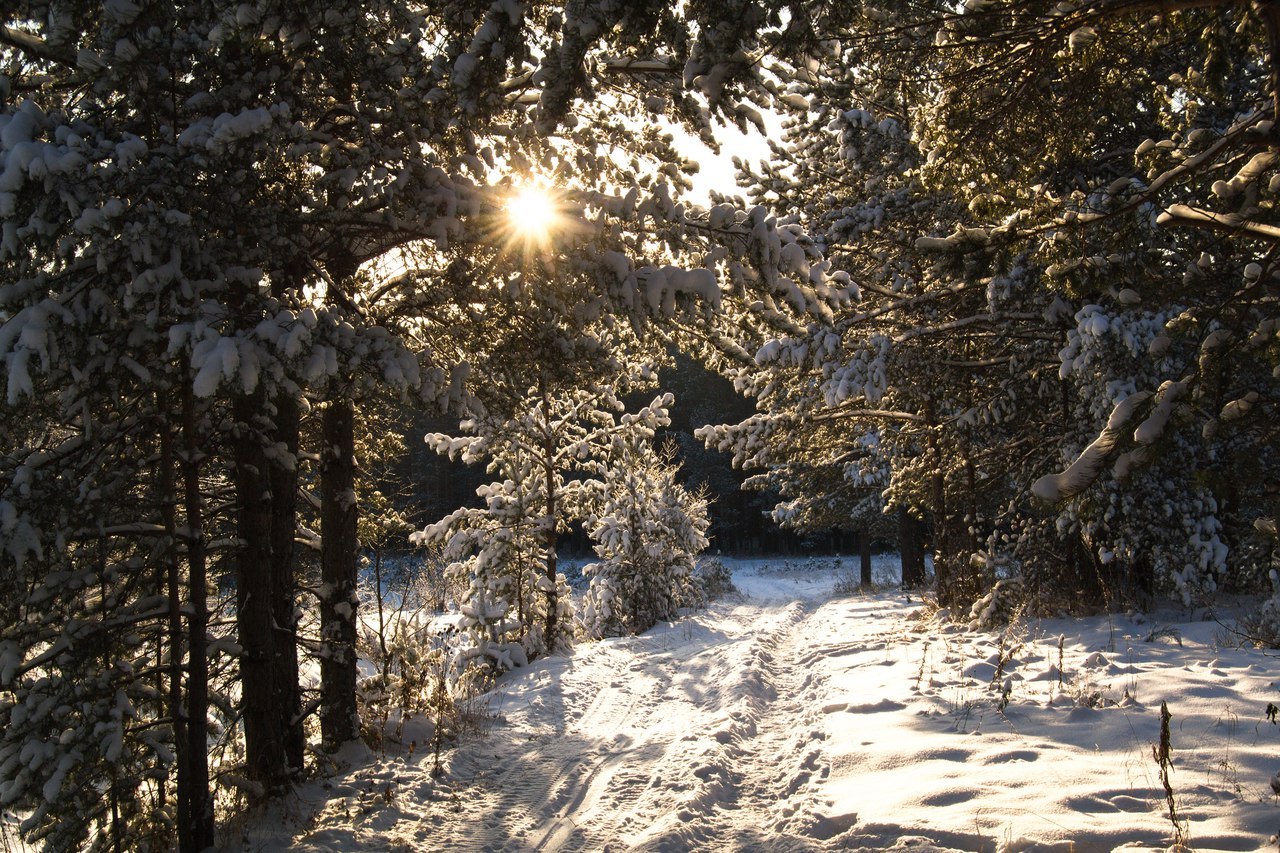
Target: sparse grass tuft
[(1162, 752)]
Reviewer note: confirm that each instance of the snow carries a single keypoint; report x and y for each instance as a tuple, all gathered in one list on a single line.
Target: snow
[(793, 718), (1084, 470), (1081, 38), (663, 284), (1151, 429)]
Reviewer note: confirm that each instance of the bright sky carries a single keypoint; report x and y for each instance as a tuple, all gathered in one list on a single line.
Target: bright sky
[(717, 170)]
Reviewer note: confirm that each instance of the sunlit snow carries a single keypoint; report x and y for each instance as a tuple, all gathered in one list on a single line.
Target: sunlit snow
[(790, 717)]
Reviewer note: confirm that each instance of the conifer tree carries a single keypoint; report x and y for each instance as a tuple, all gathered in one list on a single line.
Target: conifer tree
[(1057, 216), (648, 530)]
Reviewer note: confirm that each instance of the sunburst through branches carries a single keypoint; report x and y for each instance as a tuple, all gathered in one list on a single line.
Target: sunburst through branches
[(532, 214)]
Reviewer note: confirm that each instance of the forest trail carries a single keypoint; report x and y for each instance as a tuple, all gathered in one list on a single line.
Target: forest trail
[(719, 705)]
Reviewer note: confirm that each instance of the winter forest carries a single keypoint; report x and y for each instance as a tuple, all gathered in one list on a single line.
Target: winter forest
[(384, 377)]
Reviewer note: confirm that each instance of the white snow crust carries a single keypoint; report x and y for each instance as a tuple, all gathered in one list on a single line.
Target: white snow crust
[(789, 718)]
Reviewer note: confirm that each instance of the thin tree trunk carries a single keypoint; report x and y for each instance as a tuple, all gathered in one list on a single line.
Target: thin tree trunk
[(549, 546), (864, 555), (549, 527), (177, 713), (1270, 12), (198, 802), (382, 619), (284, 524), (943, 577), (943, 543), (263, 735), (339, 721), (911, 548)]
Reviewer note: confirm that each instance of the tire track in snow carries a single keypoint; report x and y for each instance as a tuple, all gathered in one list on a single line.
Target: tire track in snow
[(644, 780), (705, 735), (523, 792), (735, 776), (756, 778)]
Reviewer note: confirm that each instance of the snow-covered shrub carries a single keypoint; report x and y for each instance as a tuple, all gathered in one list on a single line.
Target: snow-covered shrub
[(648, 531), (414, 654), (1262, 627), (848, 578), (422, 682), (406, 658), (401, 638), (999, 606), (495, 558), (714, 578), (847, 583)]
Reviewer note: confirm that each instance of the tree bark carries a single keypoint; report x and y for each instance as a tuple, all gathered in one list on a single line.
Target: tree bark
[(944, 551), (339, 720), (198, 802), (911, 548), (284, 524), (549, 524), (552, 565), (177, 712), (1270, 12), (864, 555), (263, 735)]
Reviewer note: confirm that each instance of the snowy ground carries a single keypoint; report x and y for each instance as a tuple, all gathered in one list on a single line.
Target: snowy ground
[(793, 719)]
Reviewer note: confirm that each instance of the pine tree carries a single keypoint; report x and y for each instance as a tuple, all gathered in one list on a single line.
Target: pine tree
[(1009, 308), (648, 531), (548, 452), (1147, 250)]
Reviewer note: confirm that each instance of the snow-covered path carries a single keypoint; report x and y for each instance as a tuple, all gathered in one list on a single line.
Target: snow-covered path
[(789, 719), (700, 735)]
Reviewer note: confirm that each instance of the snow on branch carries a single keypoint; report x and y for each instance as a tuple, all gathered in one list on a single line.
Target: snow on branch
[(1196, 217), (638, 65), (1252, 123), (960, 323), (1081, 473), (843, 412), (35, 46)]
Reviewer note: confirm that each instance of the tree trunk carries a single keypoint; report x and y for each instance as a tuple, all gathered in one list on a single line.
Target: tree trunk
[(263, 735), (339, 721), (198, 802), (969, 580), (177, 712), (549, 526), (284, 524), (943, 577), (549, 546), (943, 553), (864, 555), (911, 547), (1270, 12)]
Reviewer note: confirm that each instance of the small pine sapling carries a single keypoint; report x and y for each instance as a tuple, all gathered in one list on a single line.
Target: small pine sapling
[(648, 530), (443, 711)]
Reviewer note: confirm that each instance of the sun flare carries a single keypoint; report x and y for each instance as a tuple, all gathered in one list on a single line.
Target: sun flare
[(532, 214)]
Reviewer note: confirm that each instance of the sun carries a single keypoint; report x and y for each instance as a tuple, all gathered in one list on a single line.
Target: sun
[(532, 215)]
